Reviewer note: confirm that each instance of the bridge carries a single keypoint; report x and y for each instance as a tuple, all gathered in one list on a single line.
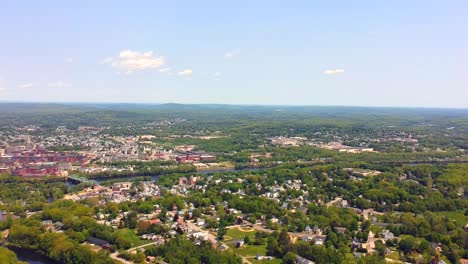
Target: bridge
[(80, 179)]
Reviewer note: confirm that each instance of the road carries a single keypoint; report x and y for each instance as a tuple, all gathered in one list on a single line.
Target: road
[(210, 236), (142, 246), (192, 226), (368, 212), (115, 254), (213, 239), (293, 235), (334, 201)]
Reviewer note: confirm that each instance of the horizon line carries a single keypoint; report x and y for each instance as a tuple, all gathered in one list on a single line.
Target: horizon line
[(225, 104)]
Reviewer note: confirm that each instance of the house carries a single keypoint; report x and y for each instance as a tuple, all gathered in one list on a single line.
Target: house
[(239, 243), (437, 247), (260, 257), (58, 225), (151, 236), (317, 229), (47, 223), (150, 259), (200, 235), (207, 158), (200, 222), (319, 240), (301, 260), (155, 221), (357, 210), (100, 216), (340, 230), (183, 180), (387, 235), (355, 243), (223, 247), (99, 242), (172, 233), (344, 203)]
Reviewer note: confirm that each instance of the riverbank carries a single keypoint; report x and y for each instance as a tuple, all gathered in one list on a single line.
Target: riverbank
[(29, 256), (154, 177), (270, 166), (239, 168)]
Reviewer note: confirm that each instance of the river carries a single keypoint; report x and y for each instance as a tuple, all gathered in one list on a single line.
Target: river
[(30, 256), (155, 177), (99, 180)]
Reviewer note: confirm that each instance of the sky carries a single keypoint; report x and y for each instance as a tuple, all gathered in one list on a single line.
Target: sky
[(354, 53)]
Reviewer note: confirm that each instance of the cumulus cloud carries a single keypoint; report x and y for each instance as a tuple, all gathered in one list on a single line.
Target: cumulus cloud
[(186, 72), (333, 71), (130, 61), (59, 84), (231, 54), (26, 85)]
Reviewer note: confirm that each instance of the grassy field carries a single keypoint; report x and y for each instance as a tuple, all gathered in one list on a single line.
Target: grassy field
[(236, 234), (251, 251), (132, 236), (458, 216), (246, 250)]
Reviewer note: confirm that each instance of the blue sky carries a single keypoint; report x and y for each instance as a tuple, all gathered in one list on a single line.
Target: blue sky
[(366, 53)]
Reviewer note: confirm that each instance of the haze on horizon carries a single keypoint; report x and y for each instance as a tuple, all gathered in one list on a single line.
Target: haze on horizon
[(362, 53)]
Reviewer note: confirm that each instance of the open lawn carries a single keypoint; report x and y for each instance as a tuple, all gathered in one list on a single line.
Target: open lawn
[(132, 236), (458, 216), (236, 234), (251, 251)]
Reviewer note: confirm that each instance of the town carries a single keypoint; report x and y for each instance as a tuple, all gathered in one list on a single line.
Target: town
[(168, 191)]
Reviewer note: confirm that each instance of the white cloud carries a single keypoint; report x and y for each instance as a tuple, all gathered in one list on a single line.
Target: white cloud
[(163, 70), (59, 84), (333, 71), (130, 61), (69, 60), (186, 72), (26, 85), (231, 54)]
